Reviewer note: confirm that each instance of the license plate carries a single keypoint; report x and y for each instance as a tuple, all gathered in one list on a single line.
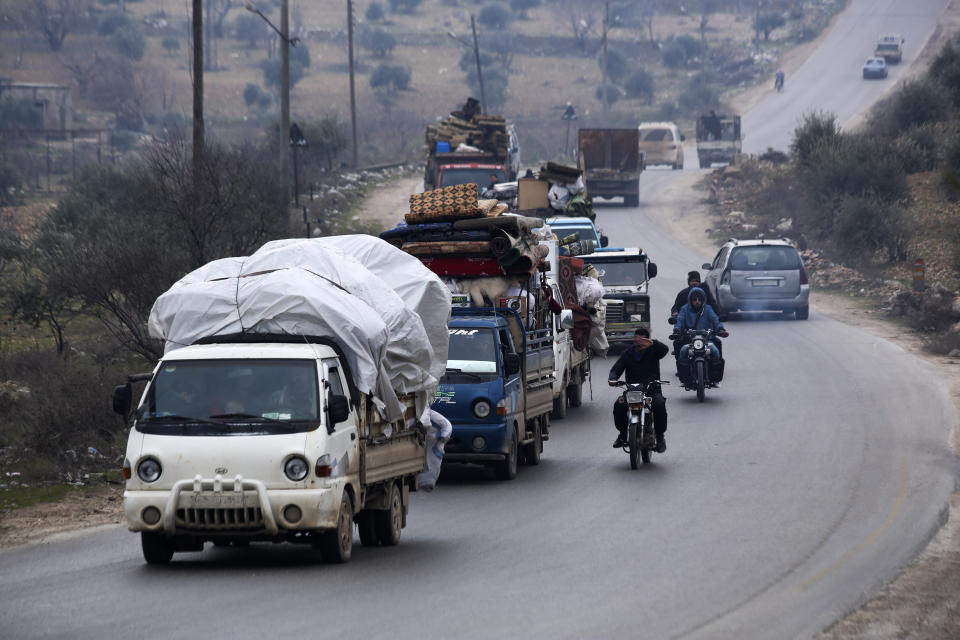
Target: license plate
[(765, 283), (225, 501)]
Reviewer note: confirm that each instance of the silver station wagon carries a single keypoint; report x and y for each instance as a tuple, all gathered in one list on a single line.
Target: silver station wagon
[(759, 275)]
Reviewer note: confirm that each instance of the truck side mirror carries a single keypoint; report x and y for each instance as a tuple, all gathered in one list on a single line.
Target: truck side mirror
[(122, 399), (566, 319), (604, 241), (652, 270), (707, 266), (511, 363), (338, 410)]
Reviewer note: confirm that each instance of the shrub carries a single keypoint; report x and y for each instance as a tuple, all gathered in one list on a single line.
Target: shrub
[(374, 12), (614, 93), (640, 85), (919, 148), (866, 226), (111, 21), (767, 22), (699, 94), (495, 16), (616, 65), (130, 43), (404, 6), (522, 6), (917, 102), (390, 77), (679, 51), (251, 94), (945, 71), (272, 71), (378, 42), (816, 128), (171, 44)]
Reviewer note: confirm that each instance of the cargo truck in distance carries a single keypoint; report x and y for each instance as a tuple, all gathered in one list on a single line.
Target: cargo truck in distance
[(718, 139), (611, 163)]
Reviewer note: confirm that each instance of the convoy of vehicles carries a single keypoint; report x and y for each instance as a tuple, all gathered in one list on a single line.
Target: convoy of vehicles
[(625, 274), (759, 275), (718, 139), (661, 143), (611, 163)]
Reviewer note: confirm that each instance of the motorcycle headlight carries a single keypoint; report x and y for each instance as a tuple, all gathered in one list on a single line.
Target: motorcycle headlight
[(698, 344), (634, 397), (149, 470), (481, 408), (296, 468)]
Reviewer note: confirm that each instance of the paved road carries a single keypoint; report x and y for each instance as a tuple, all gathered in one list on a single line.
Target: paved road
[(818, 470), (830, 79)]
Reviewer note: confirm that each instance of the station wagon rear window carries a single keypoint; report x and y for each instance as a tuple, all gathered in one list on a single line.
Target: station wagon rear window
[(764, 258)]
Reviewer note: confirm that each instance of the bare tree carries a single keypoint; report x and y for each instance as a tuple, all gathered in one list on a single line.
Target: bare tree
[(84, 70), (580, 17), (56, 18)]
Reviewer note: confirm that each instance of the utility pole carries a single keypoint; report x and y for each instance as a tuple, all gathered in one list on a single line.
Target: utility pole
[(285, 76), (476, 55), (603, 86), (353, 94), (198, 134)]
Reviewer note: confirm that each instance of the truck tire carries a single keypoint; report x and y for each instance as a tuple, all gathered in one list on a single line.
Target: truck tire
[(367, 528), (507, 469), (157, 548), (336, 545), (532, 450), (631, 200), (389, 523), (560, 404), (575, 394)]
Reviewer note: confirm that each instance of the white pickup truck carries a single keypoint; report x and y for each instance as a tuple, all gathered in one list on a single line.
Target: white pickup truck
[(290, 402), (264, 438)]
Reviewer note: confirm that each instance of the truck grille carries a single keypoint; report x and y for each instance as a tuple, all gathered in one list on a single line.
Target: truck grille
[(614, 311), (240, 518)]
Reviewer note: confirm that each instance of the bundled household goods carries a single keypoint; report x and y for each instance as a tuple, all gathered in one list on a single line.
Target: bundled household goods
[(558, 189)]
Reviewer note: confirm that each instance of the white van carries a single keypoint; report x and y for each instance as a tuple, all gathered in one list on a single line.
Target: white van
[(661, 143)]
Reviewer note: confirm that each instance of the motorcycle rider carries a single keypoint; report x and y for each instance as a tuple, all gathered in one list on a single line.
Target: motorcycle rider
[(696, 314), (641, 362), (693, 280)]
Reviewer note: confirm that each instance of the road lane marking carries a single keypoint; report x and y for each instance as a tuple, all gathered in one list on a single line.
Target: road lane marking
[(876, 533)]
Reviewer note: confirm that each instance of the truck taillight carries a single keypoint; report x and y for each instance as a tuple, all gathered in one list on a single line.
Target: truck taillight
[(803, 275)]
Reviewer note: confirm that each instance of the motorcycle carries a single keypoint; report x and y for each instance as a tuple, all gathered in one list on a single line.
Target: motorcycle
[(641, 437), (698, 343)]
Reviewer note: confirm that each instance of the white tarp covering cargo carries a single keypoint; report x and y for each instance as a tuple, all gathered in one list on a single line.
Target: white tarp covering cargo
[(311, 287)]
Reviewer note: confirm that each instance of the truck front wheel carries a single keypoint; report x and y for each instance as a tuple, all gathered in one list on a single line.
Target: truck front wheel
[(560, 403), (389, 523), (336, 545), (631, 200), (507, 469), (157, 548), (532, 450), (367, 528), (575, 393)]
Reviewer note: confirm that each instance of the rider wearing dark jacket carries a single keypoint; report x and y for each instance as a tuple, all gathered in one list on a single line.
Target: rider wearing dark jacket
[(693, 280), (641, 362), (696, 314)]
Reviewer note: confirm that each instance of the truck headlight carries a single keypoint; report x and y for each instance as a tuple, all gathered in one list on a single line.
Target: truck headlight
[(296, 468), (149, 470), (481, 408)]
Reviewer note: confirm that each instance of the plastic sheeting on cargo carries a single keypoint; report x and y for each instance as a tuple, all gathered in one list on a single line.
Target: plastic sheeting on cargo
[(312, 287)]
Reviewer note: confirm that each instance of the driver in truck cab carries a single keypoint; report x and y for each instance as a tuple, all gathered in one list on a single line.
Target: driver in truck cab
[(641, 363)]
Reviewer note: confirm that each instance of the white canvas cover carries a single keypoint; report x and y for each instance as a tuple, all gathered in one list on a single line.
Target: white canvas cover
[(310, 287)]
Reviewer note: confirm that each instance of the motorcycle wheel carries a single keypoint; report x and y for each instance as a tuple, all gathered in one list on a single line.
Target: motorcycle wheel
[(645, 455), (701, 379), (633, 444)]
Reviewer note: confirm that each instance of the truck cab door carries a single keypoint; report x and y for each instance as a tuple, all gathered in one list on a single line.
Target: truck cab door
[(342, 443)]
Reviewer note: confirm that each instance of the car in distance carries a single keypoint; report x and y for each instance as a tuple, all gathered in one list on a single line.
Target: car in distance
[(875, 68), (661, 143), (890, 47), (759, 275)]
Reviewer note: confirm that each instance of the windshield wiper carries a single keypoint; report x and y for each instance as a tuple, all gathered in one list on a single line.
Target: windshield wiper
[(465, 373), (246, 416), (177, 418)]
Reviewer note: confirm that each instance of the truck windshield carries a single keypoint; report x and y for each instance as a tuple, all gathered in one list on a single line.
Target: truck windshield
[(629, 273), (216, 397), (472, 351), (481, 177)]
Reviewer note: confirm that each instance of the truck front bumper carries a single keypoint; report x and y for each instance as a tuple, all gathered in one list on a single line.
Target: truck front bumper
[(623, 331), (233, 507), (461, 446)]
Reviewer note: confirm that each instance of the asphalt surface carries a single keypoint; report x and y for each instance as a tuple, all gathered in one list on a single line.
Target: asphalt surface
[(818, 470)]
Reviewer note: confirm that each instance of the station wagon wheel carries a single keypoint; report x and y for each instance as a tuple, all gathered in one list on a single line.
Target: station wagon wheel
[(389, 523), (336, 545)]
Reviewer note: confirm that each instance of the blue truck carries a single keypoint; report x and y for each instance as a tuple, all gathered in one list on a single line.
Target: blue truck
[(497, 390)]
